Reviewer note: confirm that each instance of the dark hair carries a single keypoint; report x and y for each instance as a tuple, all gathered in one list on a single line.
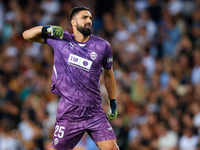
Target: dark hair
[(76, 10)]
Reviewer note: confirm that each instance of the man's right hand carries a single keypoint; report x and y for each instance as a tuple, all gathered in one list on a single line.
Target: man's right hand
[(53, 30)]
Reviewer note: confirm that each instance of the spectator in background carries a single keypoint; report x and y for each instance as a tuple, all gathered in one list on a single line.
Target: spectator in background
[(195, 110), (149, 62), (195, 78), (184, 46), (188, 140), (139, 89), (145, 20), (196, 33), (175, 7), (108, 28), (166, 139), (9, 137), (154, 9), (170, 33), (141, 5)]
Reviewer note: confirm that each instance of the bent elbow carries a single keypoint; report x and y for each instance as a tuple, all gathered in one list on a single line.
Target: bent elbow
[(24, 35)]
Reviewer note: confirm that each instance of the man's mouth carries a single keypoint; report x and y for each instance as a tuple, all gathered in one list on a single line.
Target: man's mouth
[(88, 26)]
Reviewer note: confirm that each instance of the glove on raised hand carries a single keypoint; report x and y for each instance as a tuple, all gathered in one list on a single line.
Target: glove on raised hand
[(53, 30)]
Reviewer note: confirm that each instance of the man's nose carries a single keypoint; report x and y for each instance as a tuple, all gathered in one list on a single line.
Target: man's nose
[(89, 20)]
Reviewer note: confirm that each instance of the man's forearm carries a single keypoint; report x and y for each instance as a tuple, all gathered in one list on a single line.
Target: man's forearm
[(33, 34), (109, 81), (110, 85)]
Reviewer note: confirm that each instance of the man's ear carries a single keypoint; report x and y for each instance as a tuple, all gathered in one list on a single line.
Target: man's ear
[(73, 22)]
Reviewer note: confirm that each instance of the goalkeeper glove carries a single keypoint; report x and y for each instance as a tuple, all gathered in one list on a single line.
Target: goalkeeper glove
[(53, 30), (112, 110)]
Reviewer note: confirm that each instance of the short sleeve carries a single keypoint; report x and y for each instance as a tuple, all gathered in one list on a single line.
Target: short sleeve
[(48, 39), (52, 40), (108, 58)]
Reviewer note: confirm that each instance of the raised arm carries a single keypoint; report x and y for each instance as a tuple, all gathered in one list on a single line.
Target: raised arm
[(110, 85), (33, 34)]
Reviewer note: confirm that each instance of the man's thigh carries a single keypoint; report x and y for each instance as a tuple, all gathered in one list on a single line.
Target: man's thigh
[(99, 128), (67, 134)]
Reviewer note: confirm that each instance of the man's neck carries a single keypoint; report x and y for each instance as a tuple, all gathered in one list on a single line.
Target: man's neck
[(81, 38)]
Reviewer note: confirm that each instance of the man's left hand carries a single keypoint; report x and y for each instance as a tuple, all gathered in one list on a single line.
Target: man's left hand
[(112, 110)]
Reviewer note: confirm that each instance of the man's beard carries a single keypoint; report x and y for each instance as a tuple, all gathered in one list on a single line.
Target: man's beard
[(85, 31)]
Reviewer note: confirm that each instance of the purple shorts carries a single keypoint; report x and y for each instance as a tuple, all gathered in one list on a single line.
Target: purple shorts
[(72, 121)]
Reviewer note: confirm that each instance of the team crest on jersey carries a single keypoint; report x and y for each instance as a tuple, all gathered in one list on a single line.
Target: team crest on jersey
[(55, 141), (93, 55)]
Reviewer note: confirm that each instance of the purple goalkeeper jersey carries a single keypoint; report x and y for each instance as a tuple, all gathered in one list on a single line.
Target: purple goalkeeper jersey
[(77, 68)]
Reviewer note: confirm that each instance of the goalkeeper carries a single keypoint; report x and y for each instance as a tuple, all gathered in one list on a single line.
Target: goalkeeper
[(78, 62)]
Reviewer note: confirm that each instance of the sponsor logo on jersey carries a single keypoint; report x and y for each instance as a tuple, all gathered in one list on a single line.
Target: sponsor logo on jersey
[(110, 59), (79, 62), (55, 141), (93, 55)]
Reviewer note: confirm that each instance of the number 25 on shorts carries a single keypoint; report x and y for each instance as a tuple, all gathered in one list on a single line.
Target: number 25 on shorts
[(60, 130)]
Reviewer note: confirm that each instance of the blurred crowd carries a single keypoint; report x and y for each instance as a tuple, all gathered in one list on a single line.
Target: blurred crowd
[(156, 50)]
